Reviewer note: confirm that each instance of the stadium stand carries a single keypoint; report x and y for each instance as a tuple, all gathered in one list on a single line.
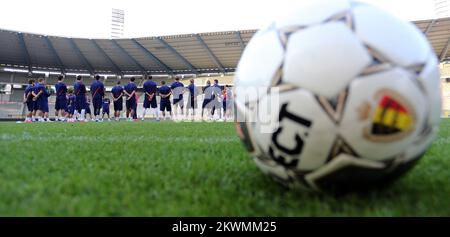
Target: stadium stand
[(204, 53), (181, 54), (204, 56)]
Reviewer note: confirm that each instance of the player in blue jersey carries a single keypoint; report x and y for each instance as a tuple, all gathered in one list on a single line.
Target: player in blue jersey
[(216, 107), (61, 99), (192, 100), (177, 92), (28, 100), (71, 100), (41, 97), (227, 96), (98, 92), (165, 92), (79, 90), (35, 90), (150, 89), (117, 94), (131, 102), (88, 110), (105, 108), (208, 96)]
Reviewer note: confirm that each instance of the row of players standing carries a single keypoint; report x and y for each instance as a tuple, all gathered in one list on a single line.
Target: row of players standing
[(74, 105), (215, 99), (70, 104)]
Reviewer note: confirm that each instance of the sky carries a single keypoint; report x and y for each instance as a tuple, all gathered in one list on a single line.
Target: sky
[(91, 18)]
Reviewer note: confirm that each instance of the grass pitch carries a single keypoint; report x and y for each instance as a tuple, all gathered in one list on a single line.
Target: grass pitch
[(182, 169)]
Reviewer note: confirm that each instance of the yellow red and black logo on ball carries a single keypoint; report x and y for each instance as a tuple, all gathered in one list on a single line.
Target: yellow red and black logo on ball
[(393, 118)]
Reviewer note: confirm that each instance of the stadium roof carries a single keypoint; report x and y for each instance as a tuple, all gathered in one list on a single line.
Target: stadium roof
[(217, 52)]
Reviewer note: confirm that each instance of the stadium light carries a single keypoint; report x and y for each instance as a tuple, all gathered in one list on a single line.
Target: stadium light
[(129, 76), (107, 75), (160, 75), (15, 70), (78, 74), (46, 72)]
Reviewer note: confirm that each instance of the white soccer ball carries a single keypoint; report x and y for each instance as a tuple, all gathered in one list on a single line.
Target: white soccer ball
[(338, 96)]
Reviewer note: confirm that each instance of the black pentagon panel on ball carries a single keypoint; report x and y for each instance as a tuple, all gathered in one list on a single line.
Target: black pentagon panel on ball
[(242, 130), (354, 178)]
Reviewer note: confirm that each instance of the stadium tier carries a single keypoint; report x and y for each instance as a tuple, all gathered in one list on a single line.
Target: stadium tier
[(181, 54), (217, 52), (205, 56)]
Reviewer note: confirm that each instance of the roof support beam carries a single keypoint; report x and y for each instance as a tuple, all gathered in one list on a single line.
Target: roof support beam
[(116, 68), (143, 70), (241, 41), (429, 27), (444, 51), (55, 55), (178, 55), (81, 56), (210, 53), (25, 53), (152, 57)]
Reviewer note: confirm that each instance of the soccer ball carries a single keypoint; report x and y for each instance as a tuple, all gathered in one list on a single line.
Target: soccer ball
[(354, 94)]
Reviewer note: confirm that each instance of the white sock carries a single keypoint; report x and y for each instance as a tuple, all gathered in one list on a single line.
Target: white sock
[(155, 113), (83, 113), (143, 113)]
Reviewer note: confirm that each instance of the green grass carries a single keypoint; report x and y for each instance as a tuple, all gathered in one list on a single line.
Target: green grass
[(182, 169)]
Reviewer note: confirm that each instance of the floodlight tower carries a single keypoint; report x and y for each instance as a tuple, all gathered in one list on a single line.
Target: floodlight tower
[(442, 8), (117, 23)]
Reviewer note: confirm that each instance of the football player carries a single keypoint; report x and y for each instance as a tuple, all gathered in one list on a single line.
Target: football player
[(98, 92), (61, 99), (216, 99), (28, 100), (105, 108), (40, 95), (208, 92), (192, 101), (150, 89), (165, 92), (80, 96), (177, 91), (131, 102), (88, 110), (227, 103), (71, 101), (117, 94)]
